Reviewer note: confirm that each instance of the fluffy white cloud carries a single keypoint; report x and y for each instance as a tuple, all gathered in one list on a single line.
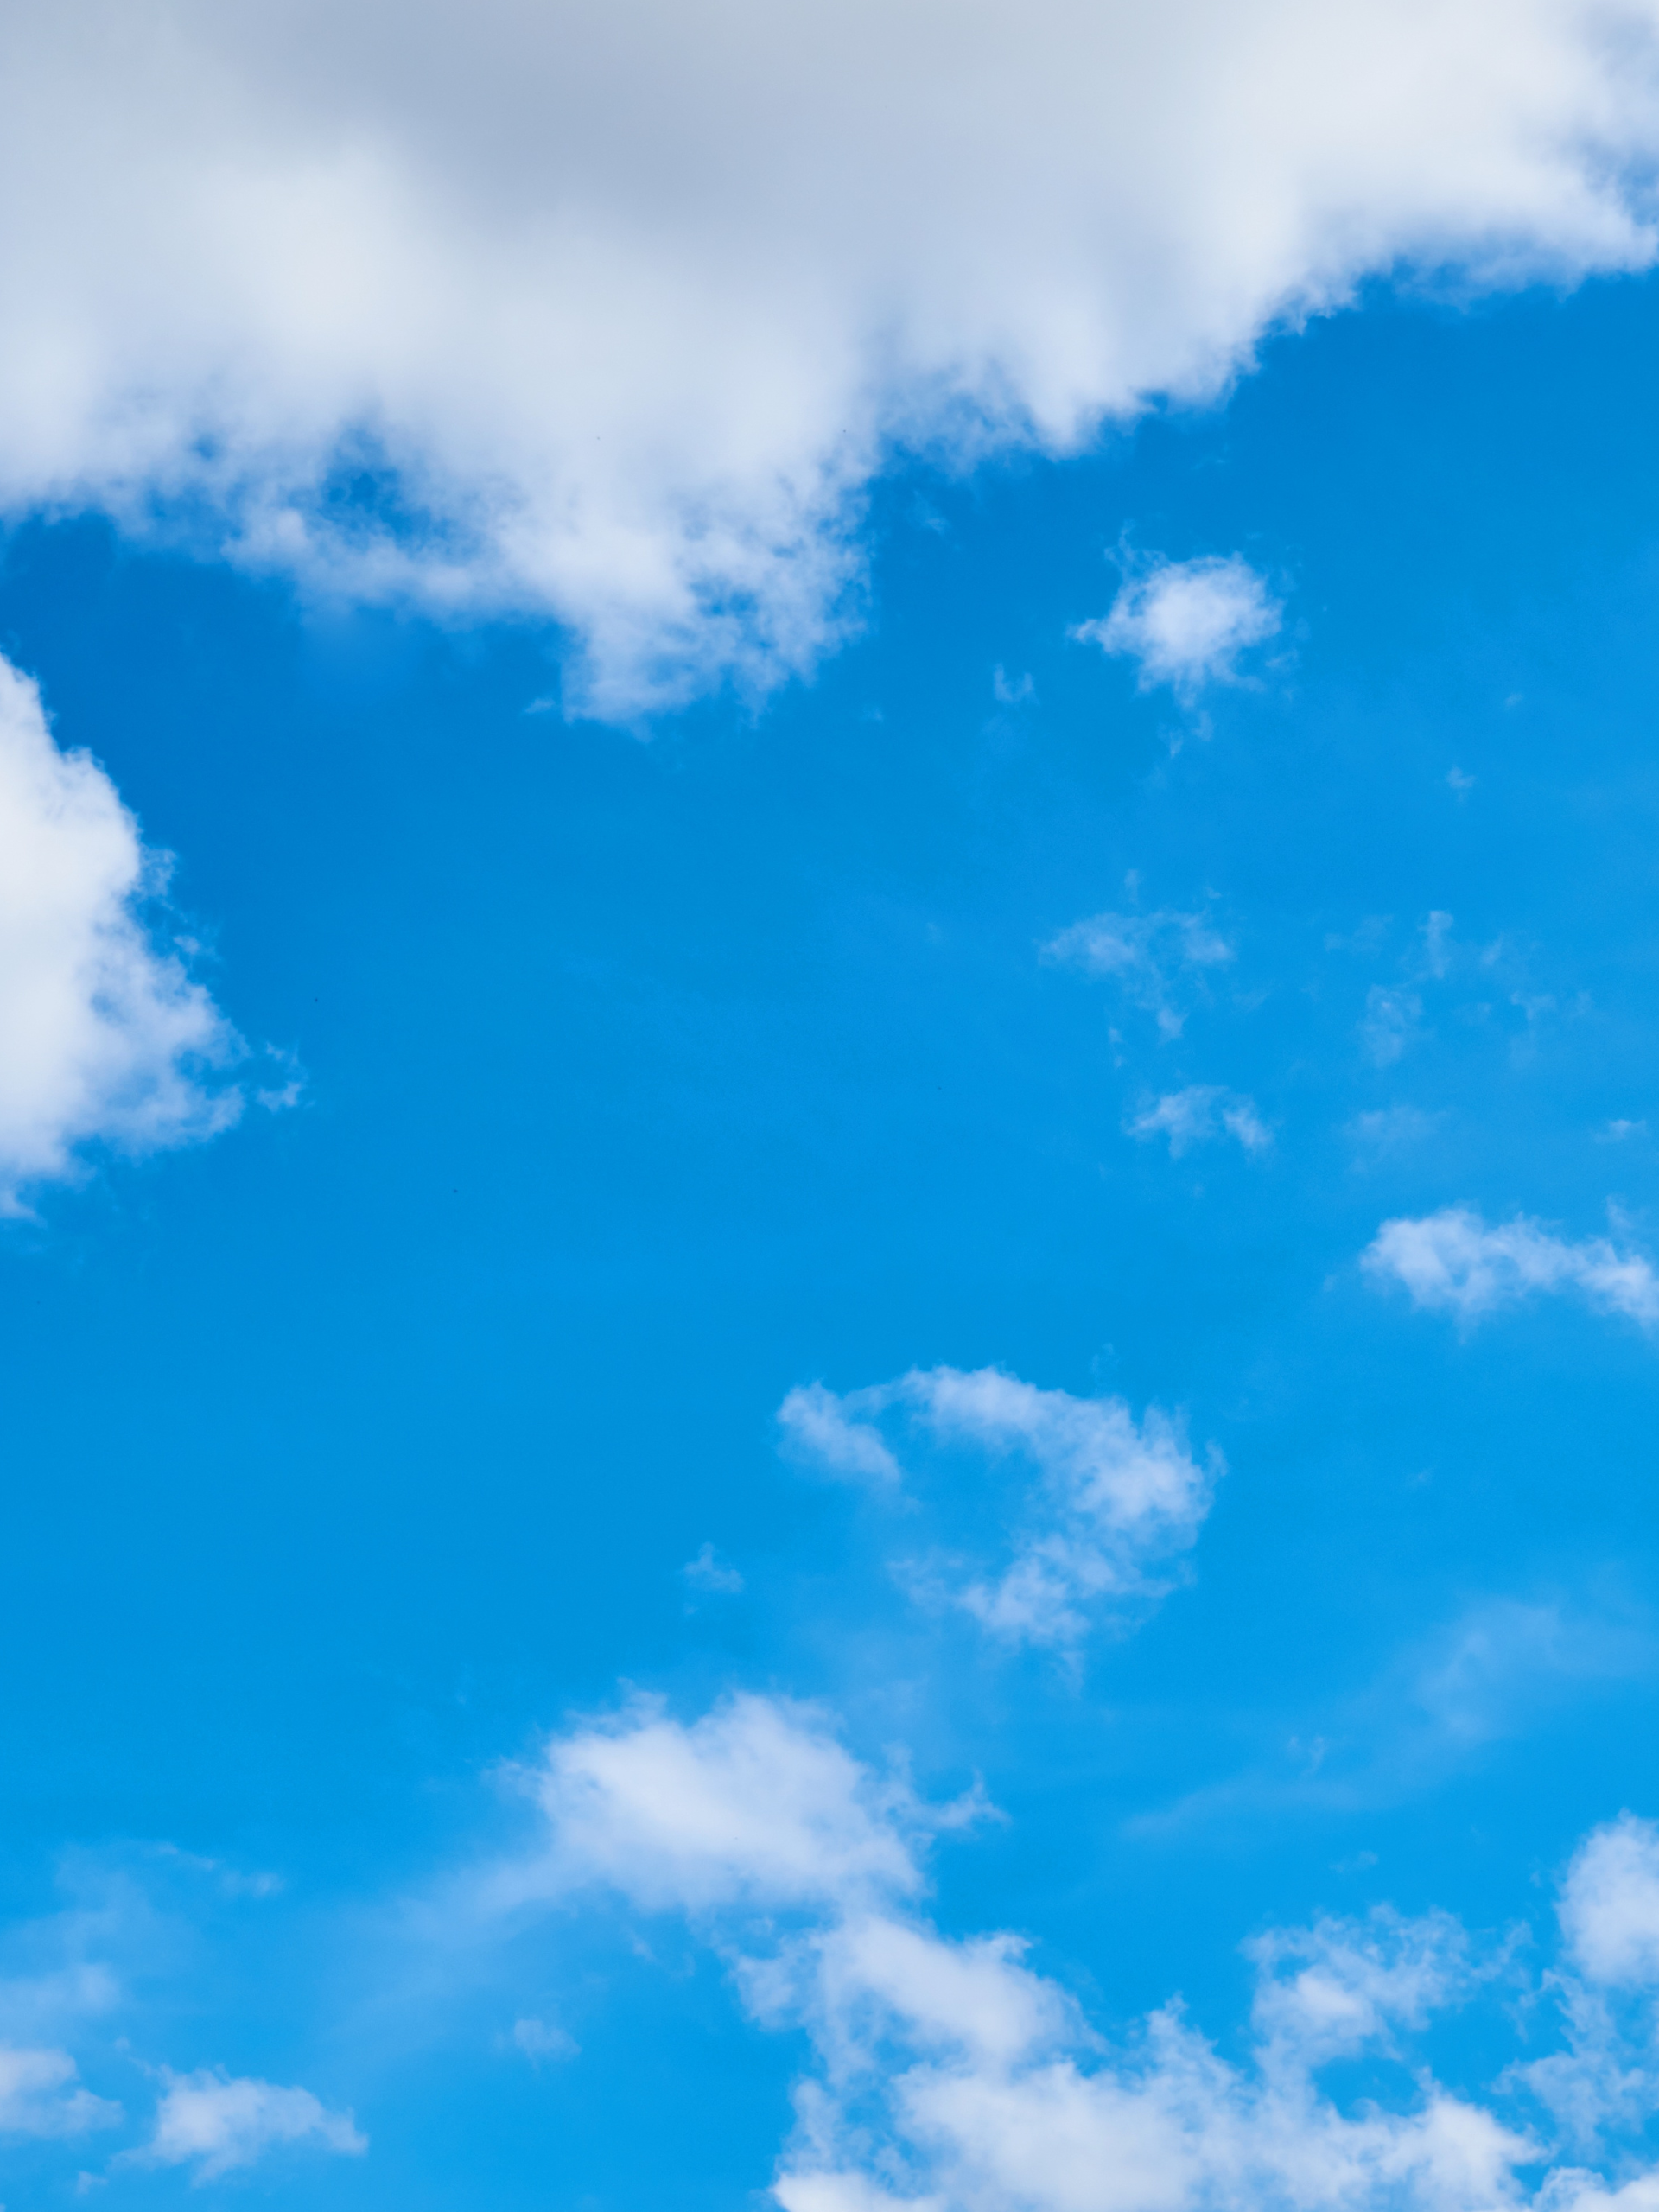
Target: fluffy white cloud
[(949, 2072), (1112, 1505), (1145, 955), (631, 299), (1610, 1904), (1188, 622), (1200, 1113), (104, 1036), (757, 1803), (40, 2094), (1453, 1262), (218, 2123)]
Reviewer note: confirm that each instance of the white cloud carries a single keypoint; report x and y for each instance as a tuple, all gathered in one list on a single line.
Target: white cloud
[(634, 299), (708, 1571), (1112, 1504), (948, 2071), (818, 1429), (219, 2123), (40, 2094), (1200, 1115), (1453, 1262), (1145, 954), (757, 1803), (104, 1036), (1188, 622), (1610, 1904)]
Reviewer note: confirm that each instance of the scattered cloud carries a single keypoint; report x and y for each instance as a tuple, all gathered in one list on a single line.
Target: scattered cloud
[(1620, 1131), (756, 1804), (709, 1573), (819, 1430), (1146, 955), (540, 2041), (106, 1037), (1386, 1132), (1458, 782), (1453, 1262), (40, 2095), (1187, 623), (623, 309), (219, 2123), (1393, 1023), (1111, 1505), (946, 2069), (1200, 1115)]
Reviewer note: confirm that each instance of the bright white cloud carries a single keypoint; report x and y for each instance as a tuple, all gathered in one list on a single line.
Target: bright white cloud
[(40, 2094), (949, 2072), (1610, 1904), (1453, 1262), (1146, 955), (1188, 622), (1112, 1504), (757, 1803), (1200, 1115), (104, 1036), (633, 299), (219, 2123)]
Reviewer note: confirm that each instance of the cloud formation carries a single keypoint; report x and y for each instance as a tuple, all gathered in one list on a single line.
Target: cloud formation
[(1146, 955), (219, 2123), (105, 1037), (1200, 1115), (40, 2095), (1110, 1506), (1187, 623), (948, 2071), (611, 312), (1453, 1262)]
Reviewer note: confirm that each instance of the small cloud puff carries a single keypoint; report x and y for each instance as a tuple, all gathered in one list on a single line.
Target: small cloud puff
[(1187, 623), (219, 2123), (708, 1571), (1200, 1115)]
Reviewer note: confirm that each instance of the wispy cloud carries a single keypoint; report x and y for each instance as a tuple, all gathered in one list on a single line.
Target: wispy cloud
[(1200, 1115), (1146, 955), (1111, 1505), (220, 2124), (1501, 1667), (1454, 1263)]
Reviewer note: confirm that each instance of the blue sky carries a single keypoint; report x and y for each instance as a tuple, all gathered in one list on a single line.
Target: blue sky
[(829, 1260)]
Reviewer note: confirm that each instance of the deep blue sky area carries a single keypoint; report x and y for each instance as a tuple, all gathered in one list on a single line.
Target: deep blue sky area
[(649, 1074)]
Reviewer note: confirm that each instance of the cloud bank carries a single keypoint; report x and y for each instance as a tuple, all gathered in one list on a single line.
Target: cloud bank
[(947, 2071), (610, 312), (106, 1036)]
